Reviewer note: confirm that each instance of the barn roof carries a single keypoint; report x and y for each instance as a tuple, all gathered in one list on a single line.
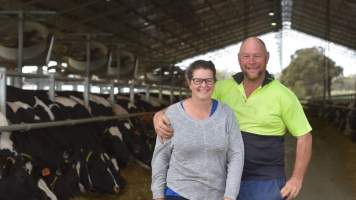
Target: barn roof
[(164, 32)]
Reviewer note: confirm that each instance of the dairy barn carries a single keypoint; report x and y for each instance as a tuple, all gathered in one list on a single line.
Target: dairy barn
[(80, 81)]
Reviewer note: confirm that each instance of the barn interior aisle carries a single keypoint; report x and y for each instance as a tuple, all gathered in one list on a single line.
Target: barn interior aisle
[(332, 171), (138, 183)]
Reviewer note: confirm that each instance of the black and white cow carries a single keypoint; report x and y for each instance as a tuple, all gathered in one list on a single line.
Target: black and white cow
[(14, 173), (64, 161)]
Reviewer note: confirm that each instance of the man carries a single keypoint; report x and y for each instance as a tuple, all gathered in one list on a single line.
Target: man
[(265, 110)]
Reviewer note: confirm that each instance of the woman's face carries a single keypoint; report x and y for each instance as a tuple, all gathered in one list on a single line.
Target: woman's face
[(202, 84)]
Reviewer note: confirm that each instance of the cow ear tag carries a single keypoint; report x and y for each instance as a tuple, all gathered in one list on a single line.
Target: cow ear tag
[(46, 171)]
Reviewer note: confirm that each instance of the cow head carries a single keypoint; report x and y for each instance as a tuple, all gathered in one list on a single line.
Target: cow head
[(97, 174), (7, 162), (65, 181)]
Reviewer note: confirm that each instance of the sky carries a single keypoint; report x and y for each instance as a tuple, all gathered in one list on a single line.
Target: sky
[(226, 59)]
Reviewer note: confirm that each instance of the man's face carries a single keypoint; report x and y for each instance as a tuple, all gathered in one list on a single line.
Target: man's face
[(253, 60)]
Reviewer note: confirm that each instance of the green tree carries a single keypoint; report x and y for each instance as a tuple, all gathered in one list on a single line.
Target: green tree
[(304, 74)]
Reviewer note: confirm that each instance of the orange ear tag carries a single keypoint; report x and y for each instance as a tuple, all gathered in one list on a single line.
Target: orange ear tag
[(46, 171)]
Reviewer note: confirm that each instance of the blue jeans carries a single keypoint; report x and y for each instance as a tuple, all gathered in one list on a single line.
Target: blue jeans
[(172, 195), (261, 189), (174, 198)]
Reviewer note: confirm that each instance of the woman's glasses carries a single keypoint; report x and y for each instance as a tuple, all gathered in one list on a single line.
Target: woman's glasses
[(199, 81)]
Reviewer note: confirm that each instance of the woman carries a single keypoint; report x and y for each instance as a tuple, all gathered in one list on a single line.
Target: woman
[(204, 158)]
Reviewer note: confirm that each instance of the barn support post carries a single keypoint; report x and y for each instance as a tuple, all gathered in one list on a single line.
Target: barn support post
[(86, 92), (137, 64), (109, 63), (118, 89), (118, 63), (160, 90), (328, 77), (112, 93), (40, 83), (18, 80), (52, 88), (3, 90), (49, 52), (132, 91), (180, 93), (147, 92), (75, 86), (326, 51), (88, 46), (171, 94), (87, 72), (58, 85)]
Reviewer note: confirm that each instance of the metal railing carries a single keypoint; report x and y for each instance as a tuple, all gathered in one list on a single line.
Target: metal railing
[(71, 122)]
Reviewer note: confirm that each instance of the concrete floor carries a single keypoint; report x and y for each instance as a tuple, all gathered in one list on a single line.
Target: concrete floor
[(332, 172)]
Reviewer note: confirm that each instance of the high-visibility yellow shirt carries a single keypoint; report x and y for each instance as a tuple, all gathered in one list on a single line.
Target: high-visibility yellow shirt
[(270, 110)]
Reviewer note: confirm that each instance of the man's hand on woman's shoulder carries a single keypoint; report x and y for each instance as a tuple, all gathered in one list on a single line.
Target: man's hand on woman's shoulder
[(162, 126)]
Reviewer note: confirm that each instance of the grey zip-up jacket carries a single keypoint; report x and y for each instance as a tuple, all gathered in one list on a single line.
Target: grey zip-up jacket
[(204, 158)]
